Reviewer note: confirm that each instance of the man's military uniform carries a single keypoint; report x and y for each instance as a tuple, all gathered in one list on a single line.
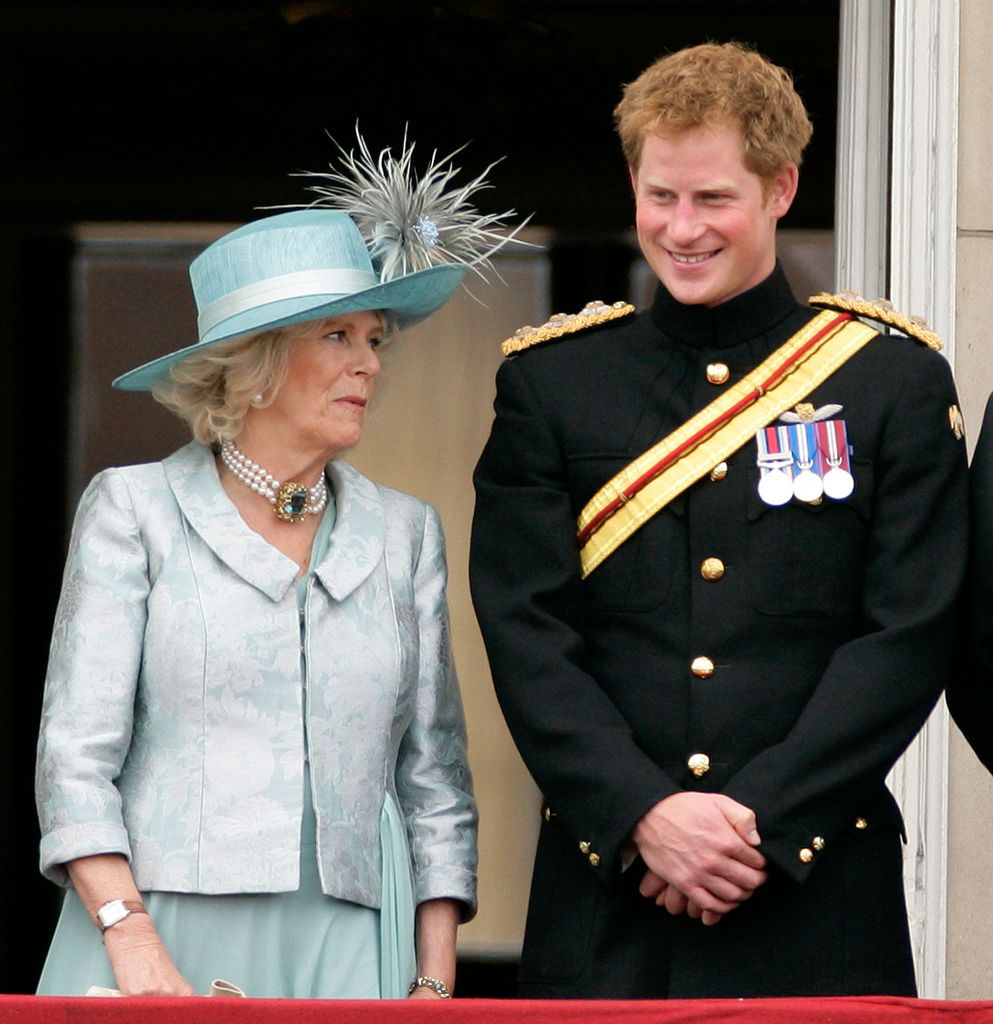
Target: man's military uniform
[(782, 655)]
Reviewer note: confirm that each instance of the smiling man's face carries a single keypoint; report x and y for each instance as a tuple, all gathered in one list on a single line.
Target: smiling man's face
[(706, 224)]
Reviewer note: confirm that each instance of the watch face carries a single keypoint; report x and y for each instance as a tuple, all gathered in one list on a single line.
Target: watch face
[(111, 913)]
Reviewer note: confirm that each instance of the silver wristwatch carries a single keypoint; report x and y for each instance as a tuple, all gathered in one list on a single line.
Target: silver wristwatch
[(114, 911)]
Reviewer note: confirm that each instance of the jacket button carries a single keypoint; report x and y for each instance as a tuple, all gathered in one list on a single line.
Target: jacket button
[(718, 373), (548, 813), (711, 569), (719, 472), (584, 847), (702, 667), (861, 823), (806, 855), (698, 764), (594, 860), (818, 843)]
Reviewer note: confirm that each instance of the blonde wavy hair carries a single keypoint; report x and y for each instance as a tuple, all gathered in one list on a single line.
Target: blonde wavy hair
[(716, 84), (212, 390)]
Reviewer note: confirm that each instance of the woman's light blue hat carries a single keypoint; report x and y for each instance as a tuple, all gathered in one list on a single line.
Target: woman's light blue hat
[(288, 269), (378, 238)]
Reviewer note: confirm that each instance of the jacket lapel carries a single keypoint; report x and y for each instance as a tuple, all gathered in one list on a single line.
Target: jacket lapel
[(356, 545), (192, 475), (359, 536)]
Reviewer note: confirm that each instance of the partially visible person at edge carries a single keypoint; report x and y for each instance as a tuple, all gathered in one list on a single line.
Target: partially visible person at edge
[(710, 674), (970, 689), (252, 759)]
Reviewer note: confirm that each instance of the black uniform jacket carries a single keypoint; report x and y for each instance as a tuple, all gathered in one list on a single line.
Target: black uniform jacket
[(829, 630), (970, 690)]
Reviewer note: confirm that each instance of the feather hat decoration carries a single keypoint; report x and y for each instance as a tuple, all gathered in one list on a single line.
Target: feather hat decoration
[(378, 237), (413, 221)]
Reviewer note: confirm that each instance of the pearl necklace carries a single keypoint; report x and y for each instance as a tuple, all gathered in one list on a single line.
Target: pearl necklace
[(290, 501)]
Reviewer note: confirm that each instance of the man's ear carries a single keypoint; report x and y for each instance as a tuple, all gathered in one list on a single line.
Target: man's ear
[(782, 190)]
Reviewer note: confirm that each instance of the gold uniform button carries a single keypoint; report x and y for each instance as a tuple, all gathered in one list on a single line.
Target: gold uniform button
[(711, 569), (702, 667), (698, 764), (719, 472), (806, 855), (594, 860), (818, 843), (718, 373), (584, 847), (861, 823), (549, 813)]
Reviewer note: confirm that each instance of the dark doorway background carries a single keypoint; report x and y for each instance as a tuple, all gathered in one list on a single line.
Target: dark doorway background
[(172, 112)]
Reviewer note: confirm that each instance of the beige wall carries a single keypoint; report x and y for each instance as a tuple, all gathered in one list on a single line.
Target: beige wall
[(970, 815), (434, 406)]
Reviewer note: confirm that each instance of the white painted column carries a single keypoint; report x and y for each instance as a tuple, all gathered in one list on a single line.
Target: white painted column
[(861, 205), (899, 242), (924, 156)]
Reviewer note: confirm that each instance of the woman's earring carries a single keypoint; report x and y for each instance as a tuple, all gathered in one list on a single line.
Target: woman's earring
[(258, 399)]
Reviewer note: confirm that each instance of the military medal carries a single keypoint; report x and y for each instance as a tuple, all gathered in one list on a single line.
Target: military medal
[(807, 484), (832, 440), (776, 486), (775, 462)]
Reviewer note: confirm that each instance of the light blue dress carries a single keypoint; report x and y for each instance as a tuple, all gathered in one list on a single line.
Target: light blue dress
[(301, 944)]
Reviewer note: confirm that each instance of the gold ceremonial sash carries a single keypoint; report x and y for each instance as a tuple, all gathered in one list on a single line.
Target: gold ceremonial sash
[(646, 485)]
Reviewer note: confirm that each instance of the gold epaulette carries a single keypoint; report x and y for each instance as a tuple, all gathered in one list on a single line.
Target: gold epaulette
[(591, 315), (877, 309)]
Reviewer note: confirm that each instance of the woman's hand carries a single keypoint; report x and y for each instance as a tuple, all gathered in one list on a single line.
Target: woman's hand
[(140, 962), (137, 956)]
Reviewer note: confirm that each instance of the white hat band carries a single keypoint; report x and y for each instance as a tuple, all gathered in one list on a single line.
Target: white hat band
[(286, 286)]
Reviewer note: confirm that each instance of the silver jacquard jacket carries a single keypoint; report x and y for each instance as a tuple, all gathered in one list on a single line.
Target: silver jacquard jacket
[(176, 724)]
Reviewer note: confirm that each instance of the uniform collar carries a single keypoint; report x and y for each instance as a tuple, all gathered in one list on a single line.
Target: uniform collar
[(747, 315)]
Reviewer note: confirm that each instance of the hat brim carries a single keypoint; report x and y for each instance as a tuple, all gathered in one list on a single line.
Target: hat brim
[(409, 299)]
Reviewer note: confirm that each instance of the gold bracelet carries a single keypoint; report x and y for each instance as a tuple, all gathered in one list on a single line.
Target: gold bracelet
[(432, 983)]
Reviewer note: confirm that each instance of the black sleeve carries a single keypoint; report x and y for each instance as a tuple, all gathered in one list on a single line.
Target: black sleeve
[(526, 588), (970, 690)]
